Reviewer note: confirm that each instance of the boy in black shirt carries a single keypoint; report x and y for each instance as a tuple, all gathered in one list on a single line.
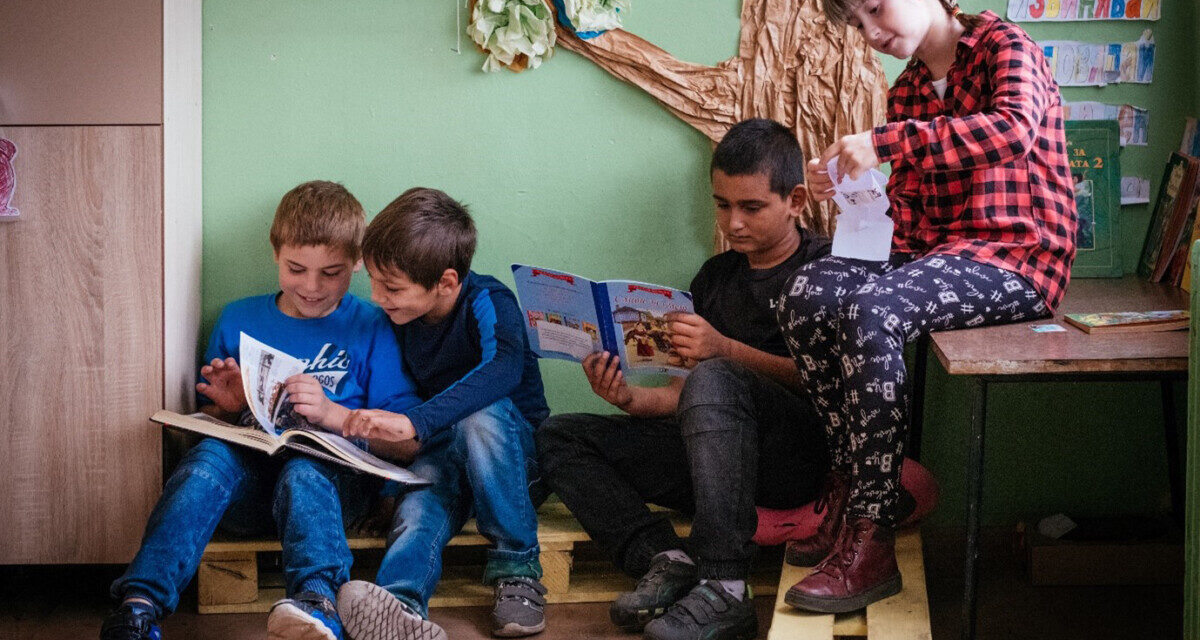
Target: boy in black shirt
[(730, 436)]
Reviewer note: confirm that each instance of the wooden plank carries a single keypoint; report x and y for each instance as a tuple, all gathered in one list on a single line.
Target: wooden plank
[(460, 587), (227, 578), (557, 531), (1015, 349), (73, 63), (81, 344), (904, 616)]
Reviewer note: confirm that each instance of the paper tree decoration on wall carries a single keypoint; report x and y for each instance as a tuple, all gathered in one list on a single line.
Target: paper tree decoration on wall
[(818, 79), (8, 179), (516, 34)]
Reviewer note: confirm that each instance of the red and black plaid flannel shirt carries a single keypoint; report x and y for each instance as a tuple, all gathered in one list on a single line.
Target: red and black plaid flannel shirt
[(983, 174)]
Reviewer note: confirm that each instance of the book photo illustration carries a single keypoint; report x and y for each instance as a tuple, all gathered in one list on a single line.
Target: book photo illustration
[(569, 317), (273, 426)]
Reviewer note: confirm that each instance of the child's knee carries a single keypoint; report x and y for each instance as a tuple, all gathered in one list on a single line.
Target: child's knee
[(718, 381), (488, 425), (213, 457)]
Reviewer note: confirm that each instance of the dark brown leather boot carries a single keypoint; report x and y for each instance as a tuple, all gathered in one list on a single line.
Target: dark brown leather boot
[(860, 570), (807, 552)]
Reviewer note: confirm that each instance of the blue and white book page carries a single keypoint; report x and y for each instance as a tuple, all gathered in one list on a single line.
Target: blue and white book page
[(560, 313), (638, 315)]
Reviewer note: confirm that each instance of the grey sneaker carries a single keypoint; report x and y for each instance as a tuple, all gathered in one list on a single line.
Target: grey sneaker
[(707, 612), (667, 581), (369, 612), (520, 607)]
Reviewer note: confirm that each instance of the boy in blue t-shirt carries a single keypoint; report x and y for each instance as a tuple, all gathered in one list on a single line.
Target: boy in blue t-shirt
[(463, 341), (353, 362)]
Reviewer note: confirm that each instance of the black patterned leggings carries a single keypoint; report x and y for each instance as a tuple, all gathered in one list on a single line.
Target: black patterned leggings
[(846, 323)]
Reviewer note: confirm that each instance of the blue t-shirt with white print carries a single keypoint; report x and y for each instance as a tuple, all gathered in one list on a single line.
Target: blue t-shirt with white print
[(352, 351)]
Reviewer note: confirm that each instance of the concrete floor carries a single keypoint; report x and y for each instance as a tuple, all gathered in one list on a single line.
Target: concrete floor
[(39, 603)]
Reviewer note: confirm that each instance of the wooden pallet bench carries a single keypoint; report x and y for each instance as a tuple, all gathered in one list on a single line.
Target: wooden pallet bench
[(904, 616), (228, 580)]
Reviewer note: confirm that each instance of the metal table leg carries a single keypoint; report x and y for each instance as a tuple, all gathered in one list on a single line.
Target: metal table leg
[(974, 500), (1174, 461)]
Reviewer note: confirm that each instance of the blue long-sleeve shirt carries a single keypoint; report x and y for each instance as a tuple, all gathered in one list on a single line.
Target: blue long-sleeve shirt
[(475, 356), (351, 352)]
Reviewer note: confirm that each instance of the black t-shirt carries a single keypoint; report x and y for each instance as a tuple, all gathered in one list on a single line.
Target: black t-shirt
[(740, 302)]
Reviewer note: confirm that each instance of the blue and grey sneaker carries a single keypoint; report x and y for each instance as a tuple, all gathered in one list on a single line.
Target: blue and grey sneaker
[(130, 623), (520, 607), (307, 616), (373, 613)]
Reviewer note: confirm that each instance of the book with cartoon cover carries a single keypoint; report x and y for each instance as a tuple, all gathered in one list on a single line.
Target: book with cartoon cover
[(271, 424), (568, 317)]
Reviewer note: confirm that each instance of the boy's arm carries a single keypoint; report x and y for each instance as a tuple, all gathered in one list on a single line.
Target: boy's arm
[(693, 337), (502, 361), (309, 400), (603, 371)]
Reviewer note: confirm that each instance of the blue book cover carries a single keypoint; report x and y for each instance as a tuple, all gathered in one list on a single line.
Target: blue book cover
[(568, 317)]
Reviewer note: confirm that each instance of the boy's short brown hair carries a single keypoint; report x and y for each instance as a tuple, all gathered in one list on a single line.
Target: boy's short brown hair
[(422, 233), (319, 212)]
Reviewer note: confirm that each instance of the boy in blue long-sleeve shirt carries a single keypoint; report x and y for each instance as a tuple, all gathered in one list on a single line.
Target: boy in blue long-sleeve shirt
[(352, 361), (463, 342)]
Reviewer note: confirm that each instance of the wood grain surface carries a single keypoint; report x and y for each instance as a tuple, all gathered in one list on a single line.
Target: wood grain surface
[(80, 344)]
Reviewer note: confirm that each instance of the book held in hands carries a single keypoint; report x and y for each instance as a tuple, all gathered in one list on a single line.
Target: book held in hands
[(568, 317), (274, 426)]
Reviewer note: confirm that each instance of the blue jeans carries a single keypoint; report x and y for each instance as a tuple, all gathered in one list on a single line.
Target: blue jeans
[(248, 494), (478, 467)]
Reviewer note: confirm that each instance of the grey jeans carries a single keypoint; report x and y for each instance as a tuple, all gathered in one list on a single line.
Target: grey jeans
[(739, 439)]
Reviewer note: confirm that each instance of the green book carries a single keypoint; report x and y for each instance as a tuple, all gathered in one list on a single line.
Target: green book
[(1093, 147)]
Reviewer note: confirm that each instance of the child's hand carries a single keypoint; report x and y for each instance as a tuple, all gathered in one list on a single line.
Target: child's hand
[(377, 423), (308, 398), (224, 386), (693, 337), (855, 154), (603, 371), (820, 185)]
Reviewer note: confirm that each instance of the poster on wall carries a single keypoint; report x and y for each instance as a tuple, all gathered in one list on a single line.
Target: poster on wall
[(1134, 190), (1094, 156), (1190, 144), (1089, 64), (1080, 10), (8, 180), (1133, 121)]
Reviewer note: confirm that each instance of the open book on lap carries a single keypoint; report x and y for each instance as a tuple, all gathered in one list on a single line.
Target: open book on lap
[(568, 317), (275, 426)]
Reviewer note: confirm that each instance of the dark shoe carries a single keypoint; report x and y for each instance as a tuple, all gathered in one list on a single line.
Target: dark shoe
[(707, 612), (520, 607), (835, 492), (373, 613), (307, 616), (667, 581), (860, 570), (129, 623)]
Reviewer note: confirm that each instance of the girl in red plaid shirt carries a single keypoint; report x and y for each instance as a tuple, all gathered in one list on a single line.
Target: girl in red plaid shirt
[(984, 212)]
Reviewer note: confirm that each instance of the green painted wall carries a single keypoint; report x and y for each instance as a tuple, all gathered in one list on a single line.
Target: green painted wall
[(567, 167)]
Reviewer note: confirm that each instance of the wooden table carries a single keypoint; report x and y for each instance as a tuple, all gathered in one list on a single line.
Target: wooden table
[(1016, 353)]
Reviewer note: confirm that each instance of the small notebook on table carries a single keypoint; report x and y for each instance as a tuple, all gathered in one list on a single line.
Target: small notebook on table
[(1129, 321)]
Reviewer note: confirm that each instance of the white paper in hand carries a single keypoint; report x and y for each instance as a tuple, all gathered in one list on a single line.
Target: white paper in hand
[(864, 230)]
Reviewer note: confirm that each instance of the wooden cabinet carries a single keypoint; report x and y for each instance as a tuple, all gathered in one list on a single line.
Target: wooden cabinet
[(81, 348), (81, 62)]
